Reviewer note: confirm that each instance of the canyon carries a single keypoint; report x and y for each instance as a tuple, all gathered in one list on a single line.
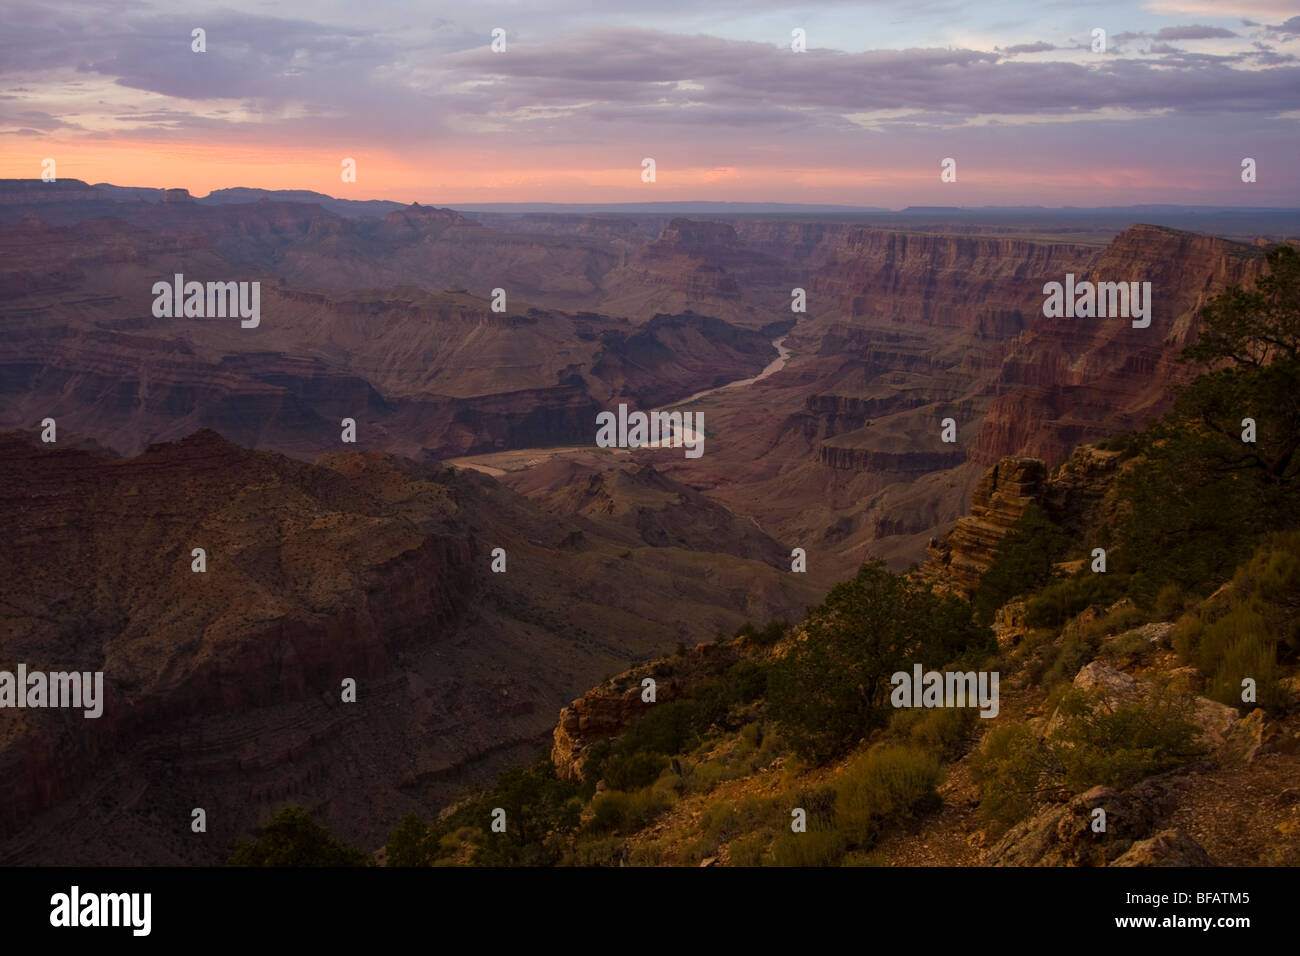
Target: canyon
[(475, 430), (222, 687)]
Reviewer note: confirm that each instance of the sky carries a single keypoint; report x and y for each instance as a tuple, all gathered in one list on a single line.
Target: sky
[(584, 91)]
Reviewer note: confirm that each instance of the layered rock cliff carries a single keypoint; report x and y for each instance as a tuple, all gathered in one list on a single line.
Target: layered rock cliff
[(933, 280), (1068, 381), (959, 561), (423, 374), (1074, 495)]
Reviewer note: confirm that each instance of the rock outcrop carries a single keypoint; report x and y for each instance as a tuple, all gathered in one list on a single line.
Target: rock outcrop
[(1173, 847), (1001, 499), (609, 709), (1074, 495), (1064, 835)]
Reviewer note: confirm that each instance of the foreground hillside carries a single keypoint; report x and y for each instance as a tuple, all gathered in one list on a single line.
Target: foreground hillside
[(1129, 708)]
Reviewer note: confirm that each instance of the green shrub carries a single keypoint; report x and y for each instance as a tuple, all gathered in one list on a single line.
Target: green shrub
[(1024, 562), (410, 843), (1064, 660), (1116, 621), (707, 775), (541, 810), (649, 854), (1014, 769), (944, 730), (773, 632), (1125, 442), (720, 823), (1061, 600), (608, 811), (1118, 746), (1253, 656), (635, 770), (603, 851), (1251, 628), (832, 688), (625, 813), (813, 848), (294, 838), (1131, 645), (819, 805), (1093, 743), (884, 785), (667, 728), (673, 728), (748, 850), (1171, 601)]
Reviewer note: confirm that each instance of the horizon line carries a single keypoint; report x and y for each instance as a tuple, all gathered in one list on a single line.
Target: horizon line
[(627, 205)]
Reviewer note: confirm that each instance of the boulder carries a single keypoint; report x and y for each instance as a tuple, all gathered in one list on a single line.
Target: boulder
[(1243, 740), (1159, 633), (1215, 720), (1063, 835), (1114, 683), (1167, 848)]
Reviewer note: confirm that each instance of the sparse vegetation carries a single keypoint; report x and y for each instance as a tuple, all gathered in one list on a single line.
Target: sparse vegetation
[(1091, 741), (1252, 628), (880, 788), (1063, 599)]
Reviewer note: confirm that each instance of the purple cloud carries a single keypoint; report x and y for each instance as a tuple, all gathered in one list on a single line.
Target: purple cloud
[(1037, 47), (1193, 33)]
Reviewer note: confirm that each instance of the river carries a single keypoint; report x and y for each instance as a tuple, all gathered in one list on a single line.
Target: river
[(778, 363), (523, 458)]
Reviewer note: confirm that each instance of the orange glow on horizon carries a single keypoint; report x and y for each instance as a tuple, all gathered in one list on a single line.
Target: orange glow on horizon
[(448, 176)]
